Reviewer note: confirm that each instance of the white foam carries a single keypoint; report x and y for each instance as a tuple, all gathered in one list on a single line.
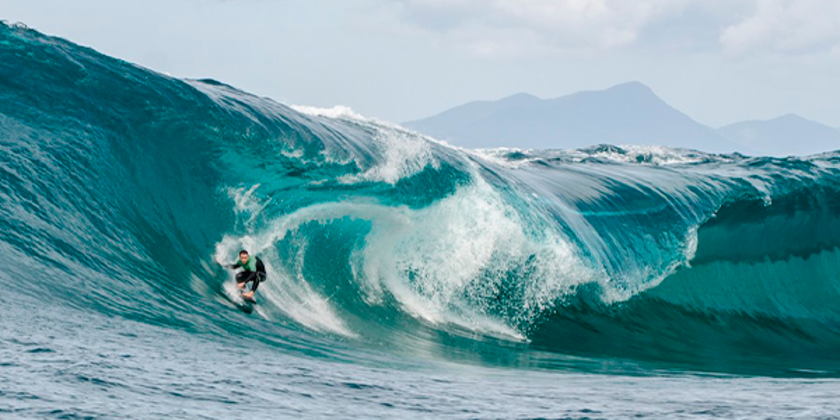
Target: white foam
[(449, 261), (442, 264), (339, 111), (400, 152), (401, 155), (499, 156), (246, 203), (286, 294), (632, 154), (654, 155)]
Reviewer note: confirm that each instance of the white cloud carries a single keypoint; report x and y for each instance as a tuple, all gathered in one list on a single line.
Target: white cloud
[(786, 26), (537, 27), (511, 27)]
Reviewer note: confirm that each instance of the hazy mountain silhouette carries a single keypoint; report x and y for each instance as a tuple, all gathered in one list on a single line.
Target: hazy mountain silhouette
[(629, 113), (786, 135)]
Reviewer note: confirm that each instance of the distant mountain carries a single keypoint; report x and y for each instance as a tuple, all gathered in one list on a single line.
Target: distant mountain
[(786, 135), (629, 113)]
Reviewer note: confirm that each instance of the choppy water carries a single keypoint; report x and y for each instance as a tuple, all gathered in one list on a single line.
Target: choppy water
[(407, 278)]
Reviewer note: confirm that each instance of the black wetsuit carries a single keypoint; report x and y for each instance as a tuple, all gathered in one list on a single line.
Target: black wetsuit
[(254, 271)]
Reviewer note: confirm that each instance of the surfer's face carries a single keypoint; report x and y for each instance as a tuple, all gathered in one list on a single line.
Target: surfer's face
[(243, 258)]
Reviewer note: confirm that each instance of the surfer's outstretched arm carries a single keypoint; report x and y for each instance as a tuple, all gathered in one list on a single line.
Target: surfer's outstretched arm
[(230, 266)]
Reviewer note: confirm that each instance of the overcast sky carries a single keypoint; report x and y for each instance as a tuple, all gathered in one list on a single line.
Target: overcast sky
[(720, 61)]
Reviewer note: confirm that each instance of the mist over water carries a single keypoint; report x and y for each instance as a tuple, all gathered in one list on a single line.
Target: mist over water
[(387, 252)]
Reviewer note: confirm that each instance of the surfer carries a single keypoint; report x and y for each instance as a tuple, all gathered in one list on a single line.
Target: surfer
[(253, 271)]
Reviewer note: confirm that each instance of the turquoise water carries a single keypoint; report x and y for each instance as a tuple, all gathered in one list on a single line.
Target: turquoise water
[(407, 278)]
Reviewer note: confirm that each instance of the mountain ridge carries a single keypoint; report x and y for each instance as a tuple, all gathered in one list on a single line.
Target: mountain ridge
[(627, 113), (789, 131)]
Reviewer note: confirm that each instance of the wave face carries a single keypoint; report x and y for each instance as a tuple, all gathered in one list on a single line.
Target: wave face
[(121, 186)]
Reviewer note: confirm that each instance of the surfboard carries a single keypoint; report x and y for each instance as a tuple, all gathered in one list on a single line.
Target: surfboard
[(234, 296), (245, 305)]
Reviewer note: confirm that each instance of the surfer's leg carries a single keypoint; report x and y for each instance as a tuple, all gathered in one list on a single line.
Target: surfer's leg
[(241, 279), (257, 279)]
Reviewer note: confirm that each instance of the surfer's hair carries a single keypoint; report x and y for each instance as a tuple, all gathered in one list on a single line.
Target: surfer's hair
[(243, 252)]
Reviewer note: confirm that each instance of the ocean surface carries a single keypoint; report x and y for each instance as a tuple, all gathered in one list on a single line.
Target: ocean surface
[(407, 278)]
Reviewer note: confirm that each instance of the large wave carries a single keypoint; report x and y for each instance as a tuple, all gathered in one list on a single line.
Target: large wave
[(120, 187)]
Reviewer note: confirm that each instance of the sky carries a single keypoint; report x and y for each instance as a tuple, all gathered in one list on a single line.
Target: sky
[(719, 61)]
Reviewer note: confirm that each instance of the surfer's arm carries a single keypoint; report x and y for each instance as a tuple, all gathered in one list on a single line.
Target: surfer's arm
[(231, 266)]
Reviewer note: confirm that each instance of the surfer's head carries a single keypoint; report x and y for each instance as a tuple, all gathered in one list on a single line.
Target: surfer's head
[(243, 256)]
